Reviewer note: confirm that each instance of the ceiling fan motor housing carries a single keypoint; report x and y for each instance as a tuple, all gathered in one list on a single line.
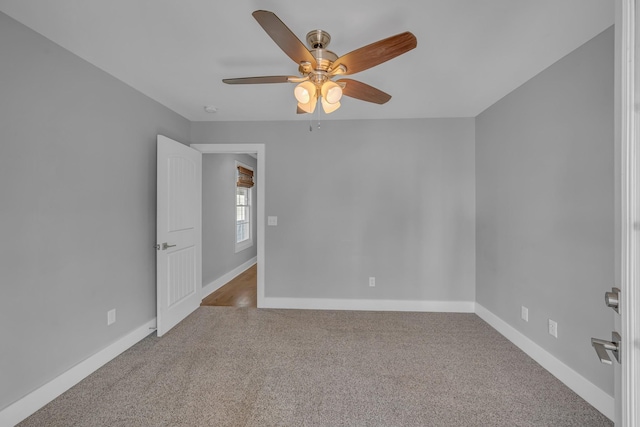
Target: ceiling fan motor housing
[(318, 40)]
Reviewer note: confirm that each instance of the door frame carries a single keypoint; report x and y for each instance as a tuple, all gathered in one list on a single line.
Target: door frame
[(259, 150), (628, 126)]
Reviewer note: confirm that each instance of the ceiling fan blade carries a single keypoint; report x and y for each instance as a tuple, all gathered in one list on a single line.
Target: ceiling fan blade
[(300, 111), (258, 80), (376, 53), (363, 91), (284, 37)]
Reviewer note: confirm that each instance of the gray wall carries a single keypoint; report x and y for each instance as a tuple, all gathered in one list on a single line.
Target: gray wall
[(545, 206), (77, 208), (219, 215), (394, 199)]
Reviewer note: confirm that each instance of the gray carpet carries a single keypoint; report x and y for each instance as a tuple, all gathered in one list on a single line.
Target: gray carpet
[(226, 366)]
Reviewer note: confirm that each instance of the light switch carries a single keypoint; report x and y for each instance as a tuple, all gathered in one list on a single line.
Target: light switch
[(272, 220)]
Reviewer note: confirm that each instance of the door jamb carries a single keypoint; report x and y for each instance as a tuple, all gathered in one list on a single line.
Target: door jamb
[(258, 149), (629, 126)]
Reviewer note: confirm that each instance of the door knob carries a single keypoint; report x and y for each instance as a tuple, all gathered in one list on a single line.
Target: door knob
[(602, 346), (612, 299), (165, 246)]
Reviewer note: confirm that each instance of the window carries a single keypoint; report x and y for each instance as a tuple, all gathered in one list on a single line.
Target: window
[(244, 182), (243, 214)]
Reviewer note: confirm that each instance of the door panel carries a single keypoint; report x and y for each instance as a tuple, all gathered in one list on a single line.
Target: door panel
[(181, 282)]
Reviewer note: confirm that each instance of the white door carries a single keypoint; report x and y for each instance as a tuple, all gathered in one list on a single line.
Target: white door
[(178, 232)]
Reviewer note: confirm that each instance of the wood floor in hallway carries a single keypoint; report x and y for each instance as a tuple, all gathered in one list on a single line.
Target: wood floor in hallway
[(239, 292)]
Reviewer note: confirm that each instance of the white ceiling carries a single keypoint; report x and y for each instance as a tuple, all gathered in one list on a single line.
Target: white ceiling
[(470, 53)]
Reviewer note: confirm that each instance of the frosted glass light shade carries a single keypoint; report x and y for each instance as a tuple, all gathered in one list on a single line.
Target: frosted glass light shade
[(309, 107), (329, 108), (331, 92), (305, 92)]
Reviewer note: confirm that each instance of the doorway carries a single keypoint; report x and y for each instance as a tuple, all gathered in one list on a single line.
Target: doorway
[(259, 151)]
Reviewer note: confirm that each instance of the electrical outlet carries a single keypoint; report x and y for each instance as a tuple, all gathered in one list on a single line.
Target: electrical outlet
[(525, 314), (553, 328), (372, 281), (111, 317)]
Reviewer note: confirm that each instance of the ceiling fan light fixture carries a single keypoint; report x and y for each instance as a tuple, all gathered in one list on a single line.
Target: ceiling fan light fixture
[(331, 92), (309, 107), (318, 65), (305, 92), (329, 108)]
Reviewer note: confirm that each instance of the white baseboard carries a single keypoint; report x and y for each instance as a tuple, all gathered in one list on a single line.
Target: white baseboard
[(224, 279), (18, 411), (584, 388), (368, 305)]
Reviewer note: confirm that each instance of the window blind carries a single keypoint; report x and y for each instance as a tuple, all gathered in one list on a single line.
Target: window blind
[(245, 177)]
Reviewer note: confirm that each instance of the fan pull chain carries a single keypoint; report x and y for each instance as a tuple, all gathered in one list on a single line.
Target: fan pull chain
[(311, 118)]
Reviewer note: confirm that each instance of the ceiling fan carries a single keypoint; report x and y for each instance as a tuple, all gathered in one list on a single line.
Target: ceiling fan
[(318, 66)]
